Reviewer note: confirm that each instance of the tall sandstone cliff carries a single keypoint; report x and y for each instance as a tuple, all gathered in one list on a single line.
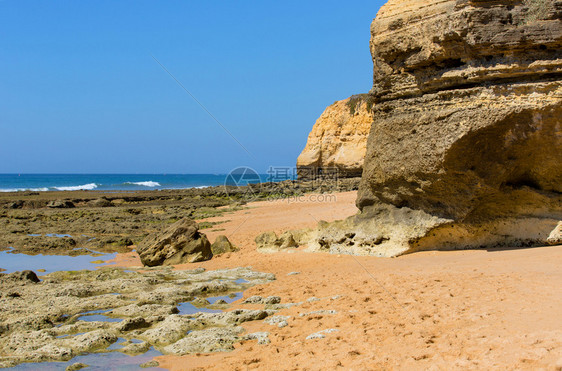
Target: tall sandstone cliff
[(466, 145), (338, 139)]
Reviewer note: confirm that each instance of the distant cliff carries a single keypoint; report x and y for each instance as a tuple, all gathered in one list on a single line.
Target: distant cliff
[(465, 149), (339, 137)]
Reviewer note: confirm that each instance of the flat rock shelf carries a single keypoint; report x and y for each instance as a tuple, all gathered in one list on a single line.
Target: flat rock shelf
[(118, 316)]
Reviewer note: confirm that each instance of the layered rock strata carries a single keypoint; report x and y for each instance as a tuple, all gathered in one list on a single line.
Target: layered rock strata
[(466, 144), (338, 140)]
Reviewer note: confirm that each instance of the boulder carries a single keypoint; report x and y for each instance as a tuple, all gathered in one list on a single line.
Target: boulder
[(60, 204), (269, 242), (338, 139), (465, 146), (555, 237), (180, 243), (23, 277), (16, 204), (222, 245), (266, 240)]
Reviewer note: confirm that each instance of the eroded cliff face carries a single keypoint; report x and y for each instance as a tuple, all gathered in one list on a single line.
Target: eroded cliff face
[(339, 138), (466, 145)]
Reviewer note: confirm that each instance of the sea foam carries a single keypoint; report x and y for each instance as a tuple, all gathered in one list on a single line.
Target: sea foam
[(24, 189), (148, 183), (88, 186)]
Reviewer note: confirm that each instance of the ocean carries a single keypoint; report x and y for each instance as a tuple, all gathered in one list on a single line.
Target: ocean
[(109, 182)]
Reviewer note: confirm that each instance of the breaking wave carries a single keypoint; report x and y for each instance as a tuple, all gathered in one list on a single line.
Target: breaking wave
[(148, 183), (88, 187), (24, 189)]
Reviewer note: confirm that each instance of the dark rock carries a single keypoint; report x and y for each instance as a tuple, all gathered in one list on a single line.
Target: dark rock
[(123, 242), (16, 205), (133, 324), (60, 204), (23, 277), (179, 243)]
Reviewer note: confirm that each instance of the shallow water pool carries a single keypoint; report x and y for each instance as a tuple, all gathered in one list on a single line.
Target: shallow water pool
[(226, 298), (98, 361), (188, 308), (97, 316), (13, 262)]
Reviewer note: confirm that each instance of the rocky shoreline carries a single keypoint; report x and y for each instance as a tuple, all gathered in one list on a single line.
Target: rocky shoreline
[(48, 320), (59, 316), (112, 221)]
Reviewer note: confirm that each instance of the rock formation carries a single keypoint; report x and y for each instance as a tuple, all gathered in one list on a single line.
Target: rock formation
[(466, 144), (222, 245), (179, 243), (338, 139), (555, 237), (269, 242)]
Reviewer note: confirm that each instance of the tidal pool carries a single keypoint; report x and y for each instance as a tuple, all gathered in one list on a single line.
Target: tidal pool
[(229, 299), (12, 262), (188, 308), (97, 361), (97, 316)]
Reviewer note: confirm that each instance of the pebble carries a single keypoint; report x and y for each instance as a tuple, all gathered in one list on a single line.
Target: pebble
[(321, 334), (331, 311)]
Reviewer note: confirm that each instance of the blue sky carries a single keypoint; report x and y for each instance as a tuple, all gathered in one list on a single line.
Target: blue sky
[(80, 92)]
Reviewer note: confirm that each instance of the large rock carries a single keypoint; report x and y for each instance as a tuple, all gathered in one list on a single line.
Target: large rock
[(179, 243), (338, 139), (60, 204), (466, 144), (22, 277), (555, 237), (222, 245), (269, 242)]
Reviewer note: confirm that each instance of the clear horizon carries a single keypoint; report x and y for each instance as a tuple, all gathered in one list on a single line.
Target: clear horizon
[(82, 94)]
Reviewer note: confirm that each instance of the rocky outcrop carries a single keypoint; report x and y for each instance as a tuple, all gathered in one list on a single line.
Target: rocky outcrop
[(179, 243), (61, 317), (466, 144), (338, 139), (269, 242)]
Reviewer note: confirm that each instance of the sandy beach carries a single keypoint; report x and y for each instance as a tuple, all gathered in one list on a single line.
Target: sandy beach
[(472, 309), (281, 186)]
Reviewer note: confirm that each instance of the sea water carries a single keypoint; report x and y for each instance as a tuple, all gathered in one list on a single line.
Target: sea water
[(110, 182), (12, 262)]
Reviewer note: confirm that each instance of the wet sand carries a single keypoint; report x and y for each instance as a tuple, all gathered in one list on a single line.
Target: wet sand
[(475, 309)]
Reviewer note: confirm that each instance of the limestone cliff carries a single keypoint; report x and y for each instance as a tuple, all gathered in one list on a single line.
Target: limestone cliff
[(466, 145), (339, 137)]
